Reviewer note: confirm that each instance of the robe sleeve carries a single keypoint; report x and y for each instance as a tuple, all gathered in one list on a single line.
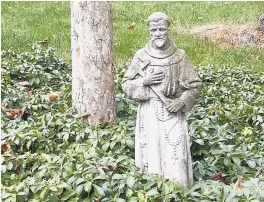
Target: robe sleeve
[(190, 83), (133, 82)]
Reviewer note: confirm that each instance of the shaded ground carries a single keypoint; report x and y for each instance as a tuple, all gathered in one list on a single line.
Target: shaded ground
[(227, 34)]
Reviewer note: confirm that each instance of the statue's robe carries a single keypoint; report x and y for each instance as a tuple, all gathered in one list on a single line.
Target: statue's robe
[(161, 138)]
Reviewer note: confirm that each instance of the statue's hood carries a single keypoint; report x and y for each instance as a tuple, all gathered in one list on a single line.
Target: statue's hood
[(160, 53)]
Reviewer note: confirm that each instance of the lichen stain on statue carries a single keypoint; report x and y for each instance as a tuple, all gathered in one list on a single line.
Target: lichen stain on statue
[(164, 82)]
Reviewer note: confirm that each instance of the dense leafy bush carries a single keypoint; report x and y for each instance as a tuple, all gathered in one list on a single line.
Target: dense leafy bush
[(48, 154)]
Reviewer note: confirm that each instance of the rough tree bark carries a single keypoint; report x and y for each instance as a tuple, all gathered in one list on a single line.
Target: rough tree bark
[(92, 69)]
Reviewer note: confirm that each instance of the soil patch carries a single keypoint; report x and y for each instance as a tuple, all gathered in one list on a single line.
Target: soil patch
[(227, 34)]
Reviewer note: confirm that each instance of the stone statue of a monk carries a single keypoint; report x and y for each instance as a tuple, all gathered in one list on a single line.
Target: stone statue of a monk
[(163, 80)]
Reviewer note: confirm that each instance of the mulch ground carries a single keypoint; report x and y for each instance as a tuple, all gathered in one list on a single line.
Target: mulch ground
[(227, 34)]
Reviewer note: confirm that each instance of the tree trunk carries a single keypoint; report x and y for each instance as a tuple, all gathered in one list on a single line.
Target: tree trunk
[(92, 70)]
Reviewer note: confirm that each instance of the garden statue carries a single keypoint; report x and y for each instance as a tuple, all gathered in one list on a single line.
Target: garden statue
[(164, 82)]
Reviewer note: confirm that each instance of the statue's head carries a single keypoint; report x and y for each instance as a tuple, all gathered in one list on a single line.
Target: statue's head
[(159, 24)]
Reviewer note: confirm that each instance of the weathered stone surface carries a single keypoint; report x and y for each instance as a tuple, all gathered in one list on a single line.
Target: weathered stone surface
[(163, 80)]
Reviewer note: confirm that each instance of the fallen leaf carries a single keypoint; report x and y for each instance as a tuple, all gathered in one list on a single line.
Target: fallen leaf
[(29, 94), (6, 148), (13, 113), (4, 107), (10, 115), (57, 179), (113, 167), (132, 26), (27, 99), (238, 185), (99, 199), (54, 96), (220, 177), (15, 164)]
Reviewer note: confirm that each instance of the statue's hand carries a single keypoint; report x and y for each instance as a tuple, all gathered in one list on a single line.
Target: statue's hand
[(153, 78), (175, 105)]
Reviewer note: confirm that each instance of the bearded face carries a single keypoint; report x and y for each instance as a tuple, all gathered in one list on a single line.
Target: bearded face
[(159, 32)]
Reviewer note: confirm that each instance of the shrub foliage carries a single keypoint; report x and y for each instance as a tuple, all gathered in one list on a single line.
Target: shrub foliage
[(49, 154)]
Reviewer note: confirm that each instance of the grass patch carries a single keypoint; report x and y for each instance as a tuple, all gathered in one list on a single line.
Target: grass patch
[(23, 23)]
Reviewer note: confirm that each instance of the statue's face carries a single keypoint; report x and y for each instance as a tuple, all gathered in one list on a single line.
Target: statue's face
[(159, 32)]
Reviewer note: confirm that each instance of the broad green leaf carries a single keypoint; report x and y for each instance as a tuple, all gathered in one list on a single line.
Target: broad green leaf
[(130, 144), (101, 177), (165, 189), (133, 199), (226, 162), (66, 195), (46, 157), (118, 176), (152, 192), (79, 181), (120, 200), (237, 160), (79, 189), (9, 165), (129, 192), (98, 190), (251, 163), (44, 193), (200, 141), (53, 188), (87, 186), (140, 196), (130, 181)]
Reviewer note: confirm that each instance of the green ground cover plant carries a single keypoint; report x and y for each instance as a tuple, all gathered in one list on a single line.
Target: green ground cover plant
[(50, 155)]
